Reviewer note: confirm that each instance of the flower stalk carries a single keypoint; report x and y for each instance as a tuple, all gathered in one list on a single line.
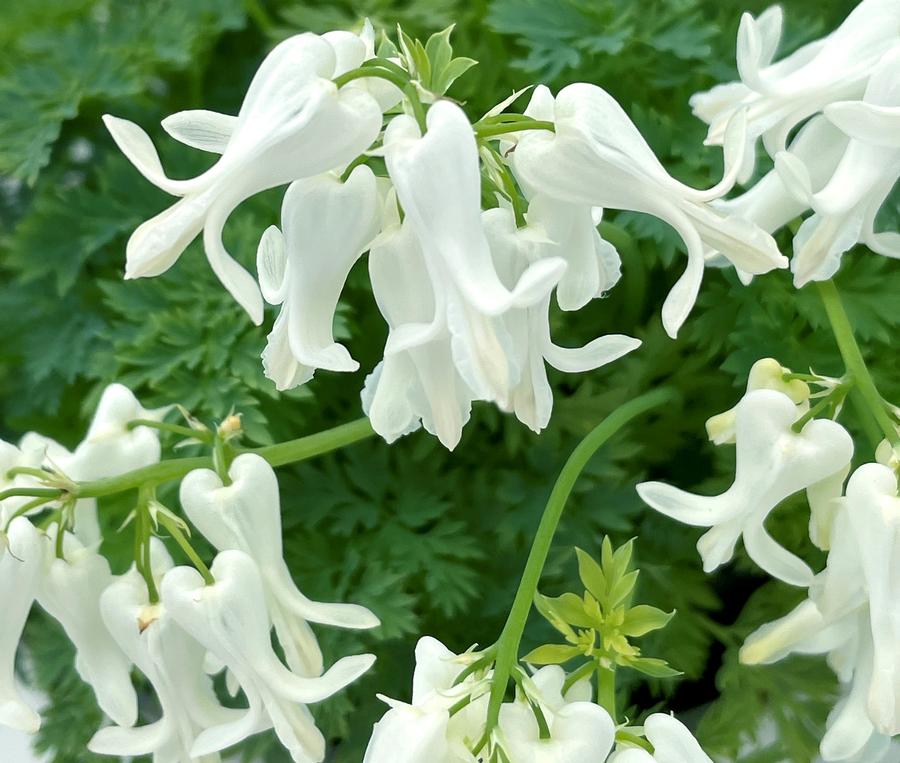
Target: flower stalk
[(511, 636)]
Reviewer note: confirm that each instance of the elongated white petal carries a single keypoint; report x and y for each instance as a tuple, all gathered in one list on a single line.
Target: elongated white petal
[(143, 740), (201, 129), (21, 564), (774, 558), (327, 225), (140, 151), (279, 363)]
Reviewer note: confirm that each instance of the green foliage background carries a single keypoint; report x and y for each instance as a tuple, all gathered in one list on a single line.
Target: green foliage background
[(433, 542)]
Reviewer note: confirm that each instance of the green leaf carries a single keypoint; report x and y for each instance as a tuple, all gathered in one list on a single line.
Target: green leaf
[(643, 618), (551, 654), (592, 576), (651, 666)]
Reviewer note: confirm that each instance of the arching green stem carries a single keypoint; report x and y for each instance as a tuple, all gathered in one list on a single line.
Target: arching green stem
[(853, 360), (511, 636)]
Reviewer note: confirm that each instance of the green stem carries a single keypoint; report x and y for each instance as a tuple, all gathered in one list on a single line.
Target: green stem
[(31, 492), (164, 426), (832, 400), (493, 130), (371, 71), (175, 531), (277, 455), (853, 359), (412, 96), (606, 690), (575, 676), (30, 471), (511, 636)]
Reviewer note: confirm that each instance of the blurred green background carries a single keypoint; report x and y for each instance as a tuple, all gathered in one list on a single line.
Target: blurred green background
[(433, 542)]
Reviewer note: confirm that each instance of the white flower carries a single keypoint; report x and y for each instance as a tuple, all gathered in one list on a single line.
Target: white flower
[(513, 250), (438, 183), (593, 264), (351, 50), (246, 515), (768, 203), (109, 449), (671, 740), (293, 123), (773, 463), (229, 618), (598, 158), (777, 96), (851, 615), (424, 730), (849, 198), (419, 383), (765, 373), (70, 591), (172, 662), (580, 732), (326, 226), (21, 564)]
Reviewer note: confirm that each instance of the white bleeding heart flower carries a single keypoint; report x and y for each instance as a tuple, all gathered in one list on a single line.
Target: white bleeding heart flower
[(109, 449), (768, 203), (773, 463), (246, 515), (351, 51), (70, 592), (326, 226), (580, 732), (778, 95), (425, 729), (852, 616), (513, 250), (293, 123), (438, 183), (172, 662), (672, 743), (847, 202), (765, 373), (229, 618), (597, 158), (22, 559), (418, 384)]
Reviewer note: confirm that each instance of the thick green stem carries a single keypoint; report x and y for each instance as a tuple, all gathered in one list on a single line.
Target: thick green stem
[(494, 130), (277, 455), (606, 690), (853, 360), (510, 638)]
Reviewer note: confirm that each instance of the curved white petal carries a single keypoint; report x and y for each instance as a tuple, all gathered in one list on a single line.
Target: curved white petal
[(271, 265), (672, 742), (201, 129)]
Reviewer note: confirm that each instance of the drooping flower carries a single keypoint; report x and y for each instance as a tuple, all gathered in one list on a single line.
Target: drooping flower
[(417, 383), (70, 591), (531, 398), (851, 615), (597, 157), (425, 729), (229, 618), (21, 564), (438, 183), (246, 515), (672, 743), (110, 448), (580, 732), (849, 198), (773, 463), (778, 95), (326, 226), (172, 662), (768, 203), (293, 123)]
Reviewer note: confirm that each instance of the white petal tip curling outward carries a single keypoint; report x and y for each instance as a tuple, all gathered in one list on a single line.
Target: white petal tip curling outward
[(18, 716), (201, 129), (239, 283), (866, 122), (681, 298), (599, 352), (139, 150), (673, 741), (271, 263)]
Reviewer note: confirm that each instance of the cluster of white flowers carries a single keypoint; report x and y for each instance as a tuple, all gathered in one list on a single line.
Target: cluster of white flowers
[(194, 628), (844, 89), (551, 720), (851, 611), (466, 291)]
